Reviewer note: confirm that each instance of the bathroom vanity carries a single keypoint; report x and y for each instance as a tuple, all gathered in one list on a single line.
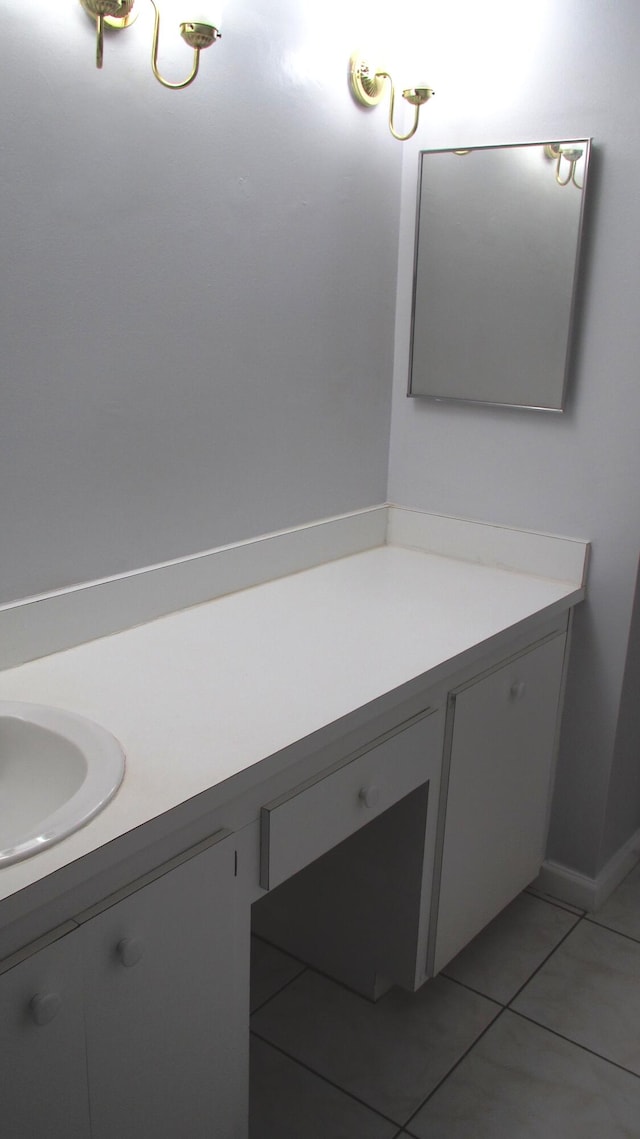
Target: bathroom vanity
[(361, 754)]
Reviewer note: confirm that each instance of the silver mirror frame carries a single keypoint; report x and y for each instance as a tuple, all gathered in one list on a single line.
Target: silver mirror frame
[(561, 171)]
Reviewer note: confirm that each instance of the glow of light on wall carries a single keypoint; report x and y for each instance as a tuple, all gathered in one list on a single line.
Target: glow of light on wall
[(328, 34), (478, 56)]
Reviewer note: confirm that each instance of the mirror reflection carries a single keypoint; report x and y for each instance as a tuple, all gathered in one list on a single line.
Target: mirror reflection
[(497, 247)]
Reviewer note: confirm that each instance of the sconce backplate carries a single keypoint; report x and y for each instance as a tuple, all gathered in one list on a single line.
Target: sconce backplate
[(121, 21), (95, 8), (366, 86)]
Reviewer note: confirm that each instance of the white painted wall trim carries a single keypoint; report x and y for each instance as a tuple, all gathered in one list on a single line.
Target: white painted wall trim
[(503, 547), (589, 893)]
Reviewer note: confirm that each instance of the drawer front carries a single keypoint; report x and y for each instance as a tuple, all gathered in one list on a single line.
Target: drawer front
[(300, 826)]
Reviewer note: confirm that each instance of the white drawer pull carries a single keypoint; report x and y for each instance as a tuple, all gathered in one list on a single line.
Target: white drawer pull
[(517, 690), (130, 951), (369, 796), (44, 1007)]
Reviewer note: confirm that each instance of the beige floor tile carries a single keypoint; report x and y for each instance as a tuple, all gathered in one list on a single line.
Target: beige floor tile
[(523, 1082), (289, 1102), (271, 970), (622, 910), (502, 958), (589, 991), (390, 1054)]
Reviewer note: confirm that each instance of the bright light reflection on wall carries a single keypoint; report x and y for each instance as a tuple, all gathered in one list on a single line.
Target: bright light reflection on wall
[(329, 33), (473, 54), (477, 54)]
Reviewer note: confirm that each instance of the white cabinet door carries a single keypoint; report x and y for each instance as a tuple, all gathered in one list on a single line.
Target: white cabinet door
[(43, 1075), (502, 751), (165, 997)]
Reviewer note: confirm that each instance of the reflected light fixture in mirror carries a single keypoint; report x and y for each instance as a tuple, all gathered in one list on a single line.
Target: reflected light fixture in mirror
[(571, 154), (200, 31), (367, 87)]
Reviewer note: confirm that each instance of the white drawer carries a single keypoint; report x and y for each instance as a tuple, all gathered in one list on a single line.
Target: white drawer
[(304, 823)]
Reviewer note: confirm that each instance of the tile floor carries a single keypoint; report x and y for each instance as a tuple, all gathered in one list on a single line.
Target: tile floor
[(532, 1032)]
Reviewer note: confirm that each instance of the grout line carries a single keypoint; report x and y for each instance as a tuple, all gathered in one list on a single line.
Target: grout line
[(575, 1043), (503, 1008), (306, 968), (547, 958), (464, 1055), (303, 968), (611, 929), (557, 902), (471, 989), (272, 996), (325, 1079)]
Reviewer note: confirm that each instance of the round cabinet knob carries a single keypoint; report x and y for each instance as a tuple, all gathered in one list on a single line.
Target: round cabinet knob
[(369, 796), (130, 951), (517, 690), (44, 1007)]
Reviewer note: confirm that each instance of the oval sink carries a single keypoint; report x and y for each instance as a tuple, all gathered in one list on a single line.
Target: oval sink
[(57, 770)]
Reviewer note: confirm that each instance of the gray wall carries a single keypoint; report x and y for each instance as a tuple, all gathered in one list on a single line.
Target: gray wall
[(197, 310), (566, 68)]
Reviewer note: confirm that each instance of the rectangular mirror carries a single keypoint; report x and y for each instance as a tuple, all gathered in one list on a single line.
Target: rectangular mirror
[(497, 246)]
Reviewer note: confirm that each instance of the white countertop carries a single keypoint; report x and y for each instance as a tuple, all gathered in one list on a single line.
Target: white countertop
[(202, 694)]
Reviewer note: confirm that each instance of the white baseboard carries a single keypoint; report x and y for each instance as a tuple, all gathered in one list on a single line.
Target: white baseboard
[(589, 893)]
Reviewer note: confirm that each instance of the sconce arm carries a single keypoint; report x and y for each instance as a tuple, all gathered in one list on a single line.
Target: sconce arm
[(99, 40), (572, 156), (392, 99), (559, 179), (154, 57), (367, 88)]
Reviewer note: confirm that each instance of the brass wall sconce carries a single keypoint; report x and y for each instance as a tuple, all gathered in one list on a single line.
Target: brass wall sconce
[(571, 155), (122, 13), (367, 87)]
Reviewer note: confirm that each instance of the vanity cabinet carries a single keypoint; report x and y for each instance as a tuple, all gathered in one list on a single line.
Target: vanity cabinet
[(497, 775), (464, 833), (378, 732), (150, 1038)]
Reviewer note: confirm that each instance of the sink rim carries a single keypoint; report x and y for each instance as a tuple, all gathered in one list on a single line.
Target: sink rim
[(105, 768)]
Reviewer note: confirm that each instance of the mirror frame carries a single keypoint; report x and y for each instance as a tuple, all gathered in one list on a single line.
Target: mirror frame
[(571, 321)]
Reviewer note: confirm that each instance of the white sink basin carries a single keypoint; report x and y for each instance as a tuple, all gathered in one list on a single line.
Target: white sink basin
[(57, 770)]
